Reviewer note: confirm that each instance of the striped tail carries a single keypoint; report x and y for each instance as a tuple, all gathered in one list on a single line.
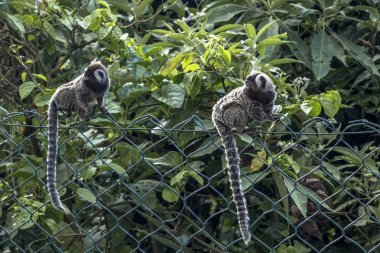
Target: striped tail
[(52, 156), (233, 161)]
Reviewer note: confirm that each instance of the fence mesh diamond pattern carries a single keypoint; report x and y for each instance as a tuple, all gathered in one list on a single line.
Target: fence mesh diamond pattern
[(160, 186)]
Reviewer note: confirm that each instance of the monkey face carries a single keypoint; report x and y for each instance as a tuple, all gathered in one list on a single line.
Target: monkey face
[(96, 77), (260, 87)]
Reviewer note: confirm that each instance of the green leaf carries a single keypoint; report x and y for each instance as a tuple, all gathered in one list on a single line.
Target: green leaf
[(322, 52), (282, 190), (170, 195), (250, 31), (264, 29), (357, 53), (26, 88), (183, 26), (197, 177), (226, 28), (300, 49), (114, 167), (43, 98), (267, 42), (283, 61), (50, 30), (16, 24), (192, 84), (330, 102), (86, 195), (171, 94), (41, 76), (88, 173), (23, 76), (299, 198), (104, 4), (170, 159), (226, 56), (311, 108), (172, 64), (223, 13), (143, 193), (207, 147), (140, 9)]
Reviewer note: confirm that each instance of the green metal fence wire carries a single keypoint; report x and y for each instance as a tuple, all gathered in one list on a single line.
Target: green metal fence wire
[(160, 186)]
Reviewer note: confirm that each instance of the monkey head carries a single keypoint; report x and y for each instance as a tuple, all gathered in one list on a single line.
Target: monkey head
[(96, 77), (259, 86)]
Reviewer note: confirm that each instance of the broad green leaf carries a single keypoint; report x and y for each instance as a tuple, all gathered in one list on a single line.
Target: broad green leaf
[(104, 4), (311, 108), (140, 9), (264, 29), (197, 177), (282, 190), (16, 24), (143, 192), (300, 49), (43, 98), (26, 88), (226, 56), (171, 94), (261, 47), (299, 198), (357, 53), (88, 172), (52, 224), (130, 91), (86, 195), (170, 195), (42, 77), (283, 61), (184, 26), (359, 159), (207, 147), (172, 64), (223, 13), (192, 84), (114, 167), (23, 76), (259, 160), (330, 102), (250, 31), (50, 30), (332, 169), (170, 159), (226, 28), (322, 52)]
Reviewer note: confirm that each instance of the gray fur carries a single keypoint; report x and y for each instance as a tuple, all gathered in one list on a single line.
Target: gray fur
[(77, 96), (252, 101)]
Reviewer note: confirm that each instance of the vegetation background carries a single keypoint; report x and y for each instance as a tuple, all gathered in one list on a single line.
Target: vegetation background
[(171, 60)]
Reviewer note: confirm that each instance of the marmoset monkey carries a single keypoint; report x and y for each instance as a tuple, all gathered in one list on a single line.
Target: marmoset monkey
[(75, 95), (253, 101)]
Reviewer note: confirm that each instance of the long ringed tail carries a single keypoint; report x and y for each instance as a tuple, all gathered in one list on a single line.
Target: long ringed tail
[(233, 162), (52, 156)]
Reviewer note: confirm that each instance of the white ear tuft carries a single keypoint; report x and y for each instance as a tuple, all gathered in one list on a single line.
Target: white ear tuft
[(100, 75)]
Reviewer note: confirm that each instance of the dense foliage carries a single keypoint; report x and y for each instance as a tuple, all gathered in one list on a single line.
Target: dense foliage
[(172, 60)]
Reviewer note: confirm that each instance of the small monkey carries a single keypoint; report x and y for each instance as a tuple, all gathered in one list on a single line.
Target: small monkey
[(252, 101), (75, 95)]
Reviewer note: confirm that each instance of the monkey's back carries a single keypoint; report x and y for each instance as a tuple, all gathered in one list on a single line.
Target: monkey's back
[(234, 109)]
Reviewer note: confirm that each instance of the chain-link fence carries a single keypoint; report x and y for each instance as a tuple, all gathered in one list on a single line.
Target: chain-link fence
[(160, 186)]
